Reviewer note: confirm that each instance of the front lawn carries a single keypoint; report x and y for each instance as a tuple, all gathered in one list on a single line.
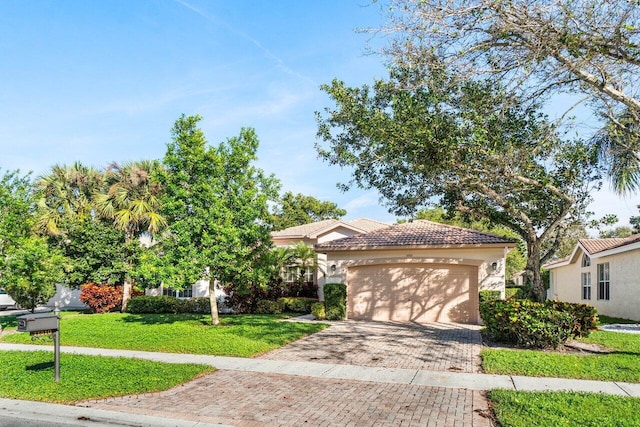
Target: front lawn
[(237, 335), (620, 365), (551, 409), (29, 376)]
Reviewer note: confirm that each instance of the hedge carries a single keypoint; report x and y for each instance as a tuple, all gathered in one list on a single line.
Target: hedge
[(266, 306), (167, 304), (536, 325), (318, 312), (297, 304), (335, 301)]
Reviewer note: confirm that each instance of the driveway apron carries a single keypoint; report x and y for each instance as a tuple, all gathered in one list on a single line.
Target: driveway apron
[(250, 399)]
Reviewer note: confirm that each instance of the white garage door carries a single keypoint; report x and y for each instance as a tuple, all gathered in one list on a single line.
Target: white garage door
[(413, 292)]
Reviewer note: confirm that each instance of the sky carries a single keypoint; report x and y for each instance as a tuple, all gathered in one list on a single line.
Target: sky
[(104, 81)]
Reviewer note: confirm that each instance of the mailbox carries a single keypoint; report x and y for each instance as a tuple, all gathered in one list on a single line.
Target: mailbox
[(40, 322)]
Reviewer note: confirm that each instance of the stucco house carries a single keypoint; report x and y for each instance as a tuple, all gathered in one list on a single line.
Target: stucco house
[(604, 273), (417, 271), (321, 232)]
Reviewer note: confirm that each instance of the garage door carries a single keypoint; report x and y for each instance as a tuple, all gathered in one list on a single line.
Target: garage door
[(413, 292)]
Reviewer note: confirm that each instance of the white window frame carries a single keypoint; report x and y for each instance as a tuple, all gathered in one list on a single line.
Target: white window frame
[(586, 285), (604, 282)]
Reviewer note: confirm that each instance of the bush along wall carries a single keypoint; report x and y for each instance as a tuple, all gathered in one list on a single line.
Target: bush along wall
[(297, 304), (536, 325), (167, 304), (335, 301)]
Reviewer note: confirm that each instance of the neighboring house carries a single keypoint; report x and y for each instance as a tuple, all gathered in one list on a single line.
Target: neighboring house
[(320, 232), (604, 273), (418, 271)]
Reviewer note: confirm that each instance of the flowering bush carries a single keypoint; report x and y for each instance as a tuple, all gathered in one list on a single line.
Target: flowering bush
[(101, 298)]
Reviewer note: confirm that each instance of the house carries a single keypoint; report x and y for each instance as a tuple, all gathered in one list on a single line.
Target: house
[(604, 273), (321, 232), (418, 271)]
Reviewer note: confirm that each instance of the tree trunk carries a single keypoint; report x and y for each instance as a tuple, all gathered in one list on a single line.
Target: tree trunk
[(534, 278), (213, 302), (126, 294)]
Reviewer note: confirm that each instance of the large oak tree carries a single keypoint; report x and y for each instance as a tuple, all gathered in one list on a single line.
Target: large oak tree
[(423, 137)]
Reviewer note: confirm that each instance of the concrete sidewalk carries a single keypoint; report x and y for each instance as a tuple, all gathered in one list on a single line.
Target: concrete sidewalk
[(414, 377)]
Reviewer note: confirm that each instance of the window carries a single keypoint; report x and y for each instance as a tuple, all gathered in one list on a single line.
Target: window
[(185, 293), (586, 285), (603, 281), (294, 273), (586, 261)]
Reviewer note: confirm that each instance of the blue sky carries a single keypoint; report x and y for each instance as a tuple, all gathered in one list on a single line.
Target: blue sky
[(103, 81)]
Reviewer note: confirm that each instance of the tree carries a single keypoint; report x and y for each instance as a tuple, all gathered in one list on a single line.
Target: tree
[(130, 198), (65, 195), (465, 147), (16, 211), (215, 202), (298, 209), (536, 49), (617, 232), (31, 272)]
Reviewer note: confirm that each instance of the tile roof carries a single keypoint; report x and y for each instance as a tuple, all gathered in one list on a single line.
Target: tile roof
[(305, 230), (593, 246), (417, 233)]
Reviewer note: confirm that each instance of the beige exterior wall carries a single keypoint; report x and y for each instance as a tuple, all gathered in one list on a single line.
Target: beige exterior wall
[(624, 273)]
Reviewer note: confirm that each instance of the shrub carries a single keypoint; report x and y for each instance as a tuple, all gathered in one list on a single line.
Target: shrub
[(101, 298), (335, 301), (297, 304), (584, 317), (167, 304), (265, 306), (488, 295), (317, 309), (514, 292), (527, 324), (244, 298)]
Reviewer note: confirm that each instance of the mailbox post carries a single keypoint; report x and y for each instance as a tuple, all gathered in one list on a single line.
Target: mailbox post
[(44, 323)]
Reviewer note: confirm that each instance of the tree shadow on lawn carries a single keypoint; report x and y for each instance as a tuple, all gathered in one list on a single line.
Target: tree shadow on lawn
[(8, 322), (161, 319), (44, 366)]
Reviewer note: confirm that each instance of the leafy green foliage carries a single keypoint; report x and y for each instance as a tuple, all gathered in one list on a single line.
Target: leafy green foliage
[(536, 325), (550, 409), (16, 211), (31, 272), (298, 209), (335, 301), (167, 304), (87, 377), (317, 309), (215, 202), (297, 304), (488, 295), (516, 293), (266, 306), (240, 336)]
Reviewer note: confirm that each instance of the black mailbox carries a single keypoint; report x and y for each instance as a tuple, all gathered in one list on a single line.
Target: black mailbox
[(40, 322)]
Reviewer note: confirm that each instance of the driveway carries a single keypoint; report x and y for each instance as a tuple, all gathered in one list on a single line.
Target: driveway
[(433, 346), (250, 399)]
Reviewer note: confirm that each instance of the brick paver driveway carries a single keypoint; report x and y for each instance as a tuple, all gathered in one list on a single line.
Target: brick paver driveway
[(434, 346), (250, 399)]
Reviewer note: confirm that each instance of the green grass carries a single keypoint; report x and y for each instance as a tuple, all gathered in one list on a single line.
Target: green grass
[(620, 365), (551, 409), (29, 376), (238, 335), (606, 320)]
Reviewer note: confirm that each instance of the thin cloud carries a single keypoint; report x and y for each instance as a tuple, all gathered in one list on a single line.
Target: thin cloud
[(280, 64)]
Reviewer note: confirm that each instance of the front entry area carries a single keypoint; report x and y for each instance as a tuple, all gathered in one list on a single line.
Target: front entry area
[(413, 293)]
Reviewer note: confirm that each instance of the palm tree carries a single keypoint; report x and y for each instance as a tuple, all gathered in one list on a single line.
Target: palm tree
[(65, 194), (618, 146), (130, 198)]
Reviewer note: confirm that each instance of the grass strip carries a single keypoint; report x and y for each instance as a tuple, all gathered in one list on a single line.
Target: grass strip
[(29, 376), (619, 365), (237, 335), (551, 409)]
